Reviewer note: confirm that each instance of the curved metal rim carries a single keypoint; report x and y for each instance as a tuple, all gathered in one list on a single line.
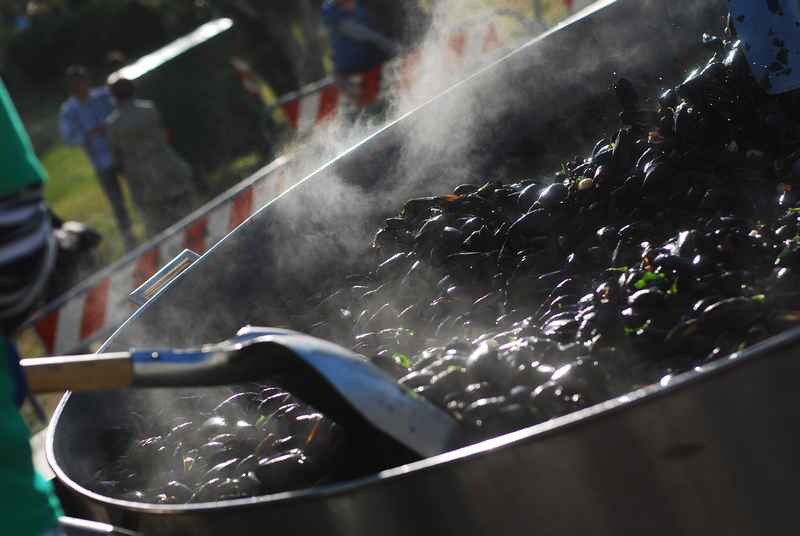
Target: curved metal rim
[(562, 424)]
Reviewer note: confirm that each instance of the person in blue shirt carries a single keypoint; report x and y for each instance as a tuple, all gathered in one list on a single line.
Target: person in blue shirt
[(82, 122), (357, 47), (358, 52)]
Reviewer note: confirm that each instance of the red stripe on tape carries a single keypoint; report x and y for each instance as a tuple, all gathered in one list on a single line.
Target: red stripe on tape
[(94, 311), (194, 237), (242, 208), (46, 330), (457, 43), (328, 102), (568, 3), (492, 40), (292, 110), (370, 86), (146, 266), (251, 86), (279, 184), (408, 70)]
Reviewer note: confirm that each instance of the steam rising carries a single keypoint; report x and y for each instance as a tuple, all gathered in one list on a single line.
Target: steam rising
[(437, 150)]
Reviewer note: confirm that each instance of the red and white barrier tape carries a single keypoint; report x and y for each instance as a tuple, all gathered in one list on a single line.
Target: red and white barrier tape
[(102, 305), (312, 109)]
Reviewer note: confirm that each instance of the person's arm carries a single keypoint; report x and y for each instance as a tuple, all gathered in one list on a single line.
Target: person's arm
[(359, 32), (114, 147), (105, 100), (159, 125), (119, 161), (69, 129)]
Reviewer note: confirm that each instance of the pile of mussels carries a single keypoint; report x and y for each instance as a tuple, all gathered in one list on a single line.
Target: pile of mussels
[(676, 242), (222, 444)]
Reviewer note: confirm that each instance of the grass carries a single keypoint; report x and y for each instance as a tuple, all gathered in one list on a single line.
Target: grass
[(73, 192)]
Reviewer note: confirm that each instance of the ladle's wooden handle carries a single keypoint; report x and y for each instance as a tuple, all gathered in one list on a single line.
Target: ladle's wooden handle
[(78, 373)]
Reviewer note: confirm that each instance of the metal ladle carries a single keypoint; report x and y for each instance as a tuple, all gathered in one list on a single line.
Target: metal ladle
[(341, 384)]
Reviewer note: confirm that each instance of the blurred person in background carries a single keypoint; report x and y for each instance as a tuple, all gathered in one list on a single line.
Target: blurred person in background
[(28, 505), (357, 47), (160, 181), (82, 122), (307, 16)]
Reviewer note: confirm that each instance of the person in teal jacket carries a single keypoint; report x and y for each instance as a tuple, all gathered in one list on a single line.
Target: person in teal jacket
[(28, 505)]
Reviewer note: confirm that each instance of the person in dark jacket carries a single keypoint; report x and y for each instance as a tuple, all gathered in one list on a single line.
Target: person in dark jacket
[(81, 123), (358, 52), (357, 46), (160, 181)]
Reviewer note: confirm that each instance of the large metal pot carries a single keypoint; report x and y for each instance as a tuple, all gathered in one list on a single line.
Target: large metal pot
[(710, 452)]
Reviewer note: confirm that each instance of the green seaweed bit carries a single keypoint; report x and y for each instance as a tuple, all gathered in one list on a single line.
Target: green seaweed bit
[(647, 278), (402, 359)]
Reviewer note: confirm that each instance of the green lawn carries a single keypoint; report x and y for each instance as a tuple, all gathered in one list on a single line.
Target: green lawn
[(74, 193)]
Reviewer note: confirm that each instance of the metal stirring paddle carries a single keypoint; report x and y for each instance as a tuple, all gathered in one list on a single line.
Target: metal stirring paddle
[(338, 382)]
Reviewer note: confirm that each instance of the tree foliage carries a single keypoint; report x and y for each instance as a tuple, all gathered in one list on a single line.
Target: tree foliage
[(63, 32)]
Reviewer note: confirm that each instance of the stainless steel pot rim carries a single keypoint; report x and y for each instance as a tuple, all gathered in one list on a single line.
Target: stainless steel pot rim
[(667, 385)]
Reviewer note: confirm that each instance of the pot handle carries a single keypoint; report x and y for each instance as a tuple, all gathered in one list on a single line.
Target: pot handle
[(163, 277), (80, 527)]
